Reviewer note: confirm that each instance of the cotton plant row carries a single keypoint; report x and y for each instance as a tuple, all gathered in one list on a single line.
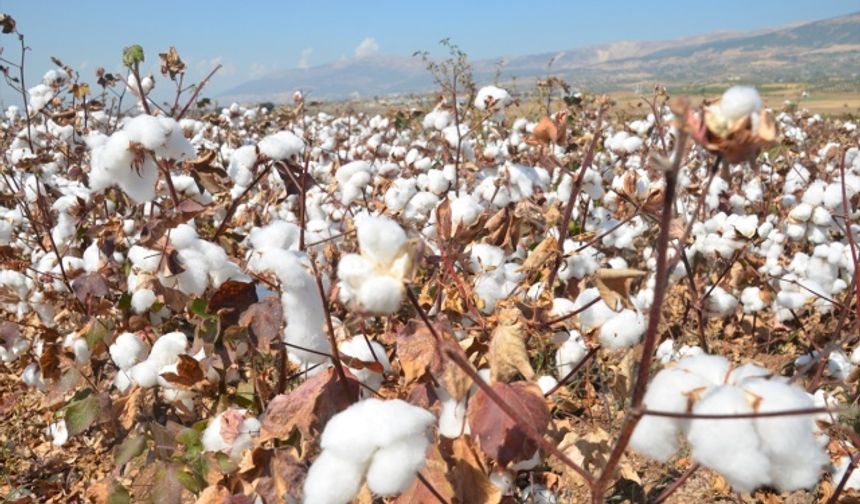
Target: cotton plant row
[(371, 208)]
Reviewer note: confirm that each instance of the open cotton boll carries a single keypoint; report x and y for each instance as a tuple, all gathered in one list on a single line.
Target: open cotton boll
[(332, 480), (751, 299), (59, 432), (623, 330), (492, 98), (281, 145), (379, 238), (394, 467), (546, 383), (485, 257), (748, 371), (720, 303), (366, 351), (596, 314), (127, 350), (569, 354), (713, 368), (145, 373), (354, 269), (452, 415), (142, 300), (380, 294), (277, 234), (167, 348), (669, 390), (32, 377), (738, 102), (730, 447), (796, 457)]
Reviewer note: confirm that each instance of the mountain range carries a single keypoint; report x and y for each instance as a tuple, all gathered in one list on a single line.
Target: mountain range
[(824, 50)]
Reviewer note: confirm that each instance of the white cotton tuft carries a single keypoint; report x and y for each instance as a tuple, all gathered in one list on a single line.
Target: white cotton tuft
[(366, 351), (394, 467), (730, 447), (332, 480), (751, 299), (380, 295), (739, 101), (380, 239), (623, 330), (281, 145), (720, 303), (569, 354), (127, 350), (142, 300)]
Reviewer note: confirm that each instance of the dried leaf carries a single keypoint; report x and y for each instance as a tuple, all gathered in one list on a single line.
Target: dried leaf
[(81, 414), (416, 350), (468, 475), (90, 285), (614, 286), (233, 297), (435, 473), (545, 250), (508, 355), (265, 320), (500, 437), (308, 407), (188, 372)]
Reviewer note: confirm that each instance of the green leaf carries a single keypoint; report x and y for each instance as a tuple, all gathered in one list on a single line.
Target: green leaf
[(199, 306), (132, 55), (80, 415), (190, 481), (118, 495), (124, 302), (97, 333), (131, 447)]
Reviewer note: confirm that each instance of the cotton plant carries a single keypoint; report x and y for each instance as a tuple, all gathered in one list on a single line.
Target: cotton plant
[(356, 450), (783, 451), (231, 432), (373, 278)]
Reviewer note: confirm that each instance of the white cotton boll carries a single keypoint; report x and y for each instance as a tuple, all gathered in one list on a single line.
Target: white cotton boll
[(464, 211), (485, 257), (503, 480), (821, 217), (32, 377), (122, 380), (622, 330), (183, 236), (569, 354), (452, 416), (738, 102), (167, 348), (801, 213), (242, 160), (791, 300), (127, 350), (528, 464), (354, 269), (670, 391), (358, 348), (631, 144), (59, 433), (492, 98), (380, 238), (185, 398), (539, 494), (730, 447), (748, 371), (142, 300), (211, 437), (751, 299), (394, 467), (596, 314), (665, 351), (81, 350), (332, 480), (546, 383), (720, 303), (281, 145), (380, 295), (145, 259), (277, 234), (145, 373), (713, 368), (92, 258)]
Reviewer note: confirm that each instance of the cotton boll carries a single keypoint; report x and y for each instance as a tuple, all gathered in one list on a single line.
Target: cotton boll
[(354, 269), (596, 314), (670, 390), (796, 457), (738, 102), (59, 433), (366, 351), (751, 299), (167, 348), (622, 330), (142, 300), (394, 467), (380, 295), (122, 381), (380, 239), (731, 447), (546, 383), (332, 480), (745, 372), (713, 368), (127, 350), (569, 354), (281, 145), (211, 437), (145, 374), (484, 257), (452, 416), (720, 303)]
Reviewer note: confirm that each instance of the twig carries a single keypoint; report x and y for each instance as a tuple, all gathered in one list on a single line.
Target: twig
[(197, 92)]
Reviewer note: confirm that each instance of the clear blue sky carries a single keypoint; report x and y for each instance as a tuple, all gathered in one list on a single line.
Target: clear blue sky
[(253, 37)]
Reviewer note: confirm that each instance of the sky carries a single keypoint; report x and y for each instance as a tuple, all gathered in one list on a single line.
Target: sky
[(251, 38)]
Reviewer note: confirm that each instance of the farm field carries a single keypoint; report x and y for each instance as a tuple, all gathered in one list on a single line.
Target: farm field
[(461, 298)]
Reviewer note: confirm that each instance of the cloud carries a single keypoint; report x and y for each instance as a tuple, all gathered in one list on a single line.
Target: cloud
[(305, 58), (203, 67), (367, 47)]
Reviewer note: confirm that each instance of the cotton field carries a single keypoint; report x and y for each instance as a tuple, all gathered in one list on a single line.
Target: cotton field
[(451, 302)]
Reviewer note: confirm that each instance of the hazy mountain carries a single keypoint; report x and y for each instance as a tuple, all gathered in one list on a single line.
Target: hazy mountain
[(825, 49)]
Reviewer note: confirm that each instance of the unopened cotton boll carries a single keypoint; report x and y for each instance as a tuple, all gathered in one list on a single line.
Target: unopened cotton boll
[(127, 350)]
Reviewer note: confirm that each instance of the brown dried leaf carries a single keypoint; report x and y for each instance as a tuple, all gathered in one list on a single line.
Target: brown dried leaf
[(591, 451), (288, 472), (265, 319), (308, 407), (435, 472), (416, 350), (614, 286), (540, 255), (469, 478), (233, 297), (508, 355), (443, 219), (89, 285), (188, 372), (500, 437)]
